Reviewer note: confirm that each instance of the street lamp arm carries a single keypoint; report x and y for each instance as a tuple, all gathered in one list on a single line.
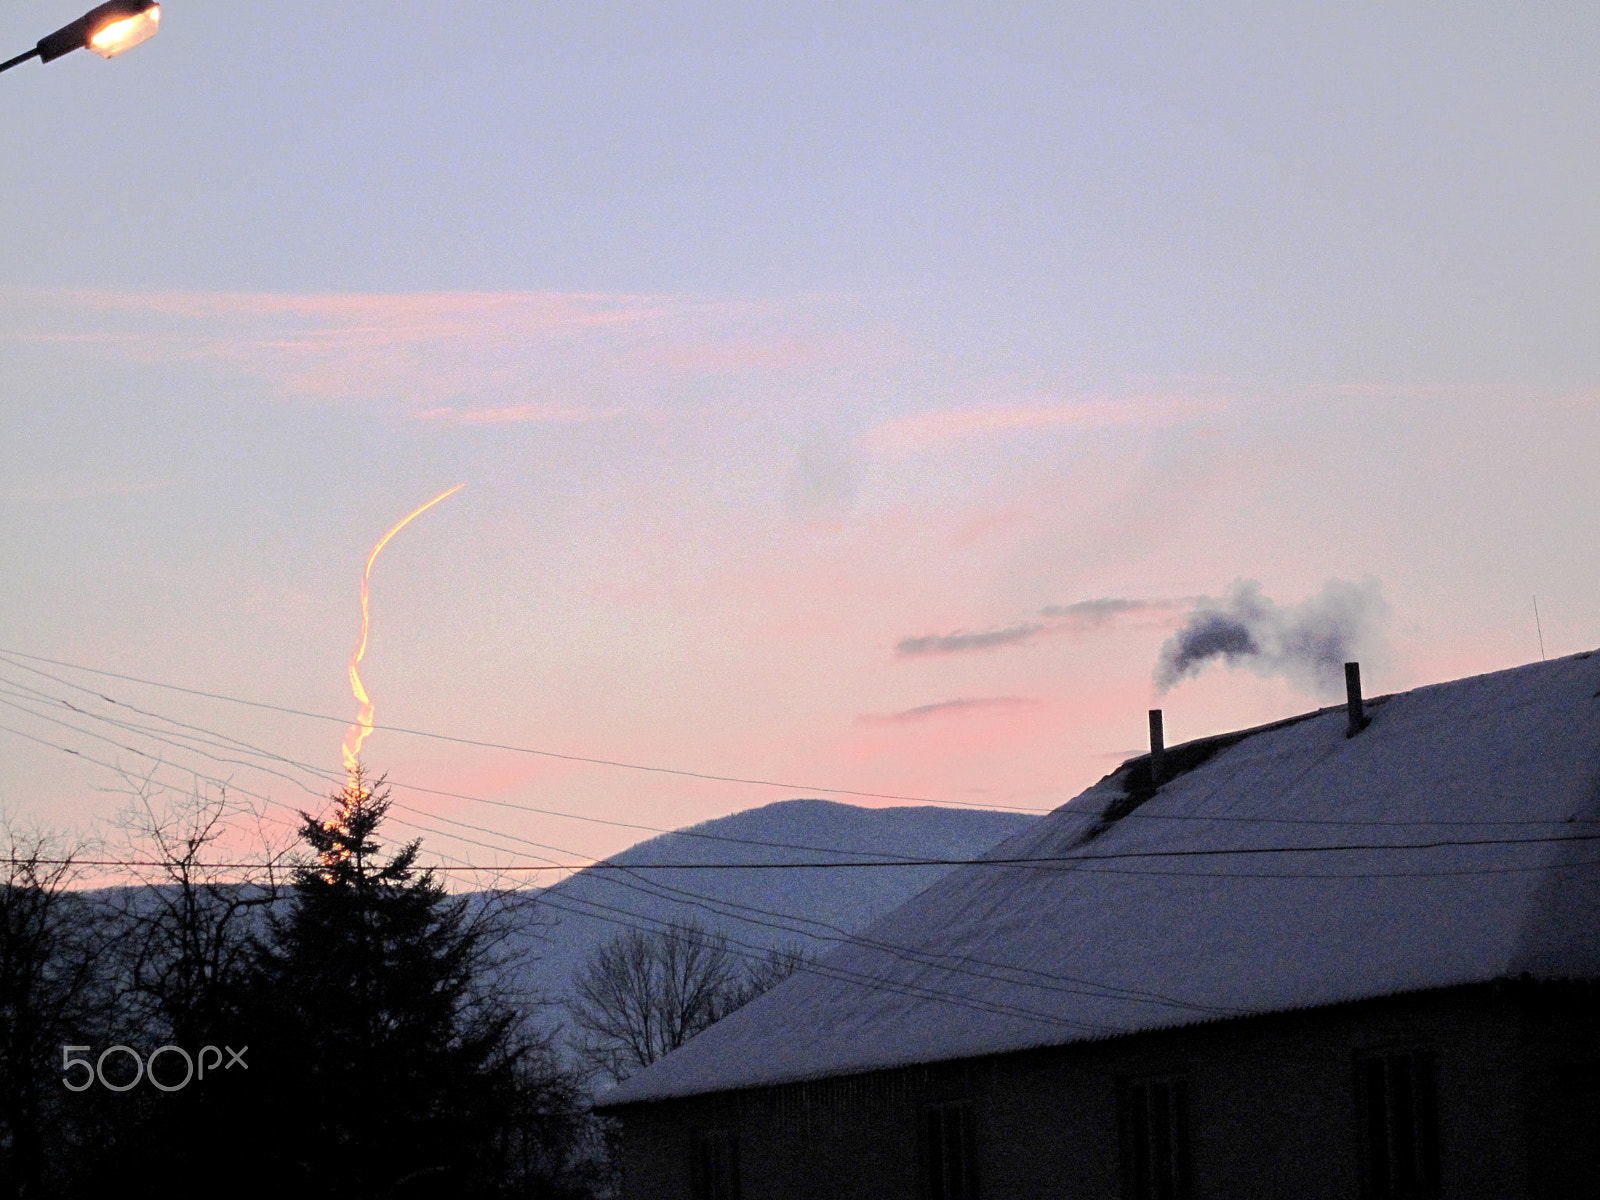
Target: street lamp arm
[(108, 29), (19, 59)]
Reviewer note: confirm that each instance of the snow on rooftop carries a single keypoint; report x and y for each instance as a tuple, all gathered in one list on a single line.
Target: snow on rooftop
[(1166, 917)]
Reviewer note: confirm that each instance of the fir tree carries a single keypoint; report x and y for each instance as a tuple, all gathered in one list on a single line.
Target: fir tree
[(388, 1065)]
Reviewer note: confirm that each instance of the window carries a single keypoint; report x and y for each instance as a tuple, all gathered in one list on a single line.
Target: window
[(951, 1165), (1154, 1115), (1399, 1124), (715, 1171)]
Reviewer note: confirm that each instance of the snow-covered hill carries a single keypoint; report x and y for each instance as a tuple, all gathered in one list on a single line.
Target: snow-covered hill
[(758, 908)]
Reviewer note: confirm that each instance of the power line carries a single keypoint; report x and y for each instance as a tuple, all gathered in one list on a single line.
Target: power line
[(442, 737), (706, 901), (621, 917), (1056, 862), (596, 909), (1047, 860), (463, 865), (941, 959), (1142, 815), (544, 898), (586, 906), (565, 900), (1056, 859), (720, 907), (723, 907), (759, 953), (1031, 861), (333, 777)]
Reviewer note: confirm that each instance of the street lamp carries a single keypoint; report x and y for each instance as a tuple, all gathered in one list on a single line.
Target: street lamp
[(108, 30)]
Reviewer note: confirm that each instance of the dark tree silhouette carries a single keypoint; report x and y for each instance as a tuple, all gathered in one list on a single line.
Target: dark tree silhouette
[(190, 933), (401, 1070), (381, 1051), (53, 992), (182, 962)]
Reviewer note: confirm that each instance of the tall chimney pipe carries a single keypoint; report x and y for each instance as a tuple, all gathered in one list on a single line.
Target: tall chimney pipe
[(1352, 692), (1158, 747)]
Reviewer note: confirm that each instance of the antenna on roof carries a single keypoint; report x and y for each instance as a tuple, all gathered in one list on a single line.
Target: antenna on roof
[(1539, 627), (1352, 693)]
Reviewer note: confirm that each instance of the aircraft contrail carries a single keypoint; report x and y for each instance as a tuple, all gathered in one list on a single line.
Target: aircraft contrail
[(362, 729)]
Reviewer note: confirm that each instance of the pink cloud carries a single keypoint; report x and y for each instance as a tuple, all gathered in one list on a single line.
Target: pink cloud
[(363, 313), (770, 354), (987, 524), (1034, 755), (517, 414), (925, 431), (949, 708), (425, 350)]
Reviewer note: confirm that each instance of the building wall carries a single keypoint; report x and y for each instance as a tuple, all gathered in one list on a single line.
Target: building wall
[(1560, 1091), (1271, 1100)]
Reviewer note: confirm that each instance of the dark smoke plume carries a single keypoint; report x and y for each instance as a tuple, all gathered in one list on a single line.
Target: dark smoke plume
[(1307, 644)]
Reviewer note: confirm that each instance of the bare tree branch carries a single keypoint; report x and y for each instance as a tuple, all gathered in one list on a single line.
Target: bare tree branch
[(642, 995)]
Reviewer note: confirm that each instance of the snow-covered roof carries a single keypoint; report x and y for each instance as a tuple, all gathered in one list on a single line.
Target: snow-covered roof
[(1232, 890)]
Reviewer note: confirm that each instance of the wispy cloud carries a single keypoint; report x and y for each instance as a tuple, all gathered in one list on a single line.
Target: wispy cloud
[(429, 314), (926, 431), (946, 708), (517, 355), (962, 641), (517, 414), (716, 357), (1079, 617)]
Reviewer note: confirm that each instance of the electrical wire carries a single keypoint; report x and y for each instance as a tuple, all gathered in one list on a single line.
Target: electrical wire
[(593, 908), (199, 737), (461, 741), (721, 907), (710, 904), (1030, 861), (759, 953), (1139, 815), (334, 777)]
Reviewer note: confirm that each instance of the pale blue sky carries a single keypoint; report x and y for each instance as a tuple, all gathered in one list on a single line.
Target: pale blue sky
[(767, 336), (1312, 190)]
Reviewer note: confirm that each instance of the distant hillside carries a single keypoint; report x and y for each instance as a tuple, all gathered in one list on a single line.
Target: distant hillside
[(760, 908), (592, 906)]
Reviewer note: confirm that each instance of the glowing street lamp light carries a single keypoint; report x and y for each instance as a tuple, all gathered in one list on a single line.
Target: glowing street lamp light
[(108, 30)]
